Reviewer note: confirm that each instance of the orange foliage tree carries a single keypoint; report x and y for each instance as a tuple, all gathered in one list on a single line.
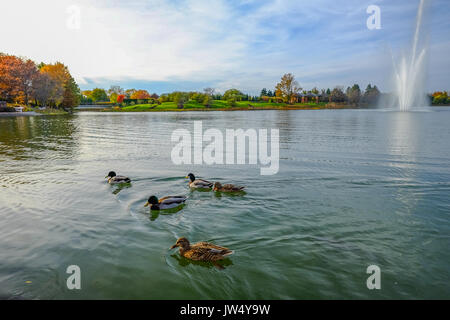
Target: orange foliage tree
[(140, 94), (16, 78)]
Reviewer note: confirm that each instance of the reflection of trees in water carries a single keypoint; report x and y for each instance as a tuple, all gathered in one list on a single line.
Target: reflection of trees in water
[(28, 136)]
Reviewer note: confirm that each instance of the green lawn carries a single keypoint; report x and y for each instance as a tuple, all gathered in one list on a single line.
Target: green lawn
[(217, 104)]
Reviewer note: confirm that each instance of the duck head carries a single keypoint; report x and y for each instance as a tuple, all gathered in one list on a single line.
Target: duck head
[(190, 176), (111, 174), (151, 200), (217, 186), (182, 242)]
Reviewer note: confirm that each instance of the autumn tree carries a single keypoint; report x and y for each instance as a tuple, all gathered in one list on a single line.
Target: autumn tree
[(287, 88), (140, 94), (113, 97), (120, 98), (129, 93), (16, 78), (65, 88)]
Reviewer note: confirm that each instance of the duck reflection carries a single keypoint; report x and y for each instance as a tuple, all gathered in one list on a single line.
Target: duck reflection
[(119, 187), (154, 214), (221, 264)]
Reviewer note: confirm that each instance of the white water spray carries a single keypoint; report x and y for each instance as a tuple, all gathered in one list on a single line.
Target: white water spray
[(409, 73)]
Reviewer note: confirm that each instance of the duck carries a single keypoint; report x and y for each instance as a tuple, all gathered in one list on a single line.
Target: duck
[(114, 179), (201, 251), (168, 202), (227, 187), (198, 183)]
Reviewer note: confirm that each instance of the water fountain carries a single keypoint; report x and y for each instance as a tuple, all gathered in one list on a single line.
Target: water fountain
[(409, 72)]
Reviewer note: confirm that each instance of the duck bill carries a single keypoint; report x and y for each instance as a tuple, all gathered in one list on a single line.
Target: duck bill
[(173, 247), (186, 177), (146, 204)]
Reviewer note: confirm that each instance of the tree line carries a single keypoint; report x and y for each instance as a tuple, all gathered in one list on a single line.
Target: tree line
[(23, 81), (289, 91)]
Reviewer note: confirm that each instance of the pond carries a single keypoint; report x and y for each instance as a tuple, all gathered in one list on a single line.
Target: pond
[(354, 188)]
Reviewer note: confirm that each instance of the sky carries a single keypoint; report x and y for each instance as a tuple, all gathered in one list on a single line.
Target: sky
[(162, 46)]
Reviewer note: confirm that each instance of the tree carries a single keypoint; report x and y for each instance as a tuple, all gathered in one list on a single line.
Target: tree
[(263, 92), (354, 94), (98, 94), (209, 93), (129, 93), (371, 95), (16, 78), (140, 94), (180, 98), (440, 97), (61, 76), (232, 92), (288, 88), (113, 97), (337, 95), (231, 100), (42, 88), (116, 89), (120, 98), (71, 97)]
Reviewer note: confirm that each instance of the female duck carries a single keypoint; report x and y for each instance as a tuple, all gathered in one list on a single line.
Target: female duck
[(227, 187), (198, 183), (114, 179), (165, 203), (201, 251)]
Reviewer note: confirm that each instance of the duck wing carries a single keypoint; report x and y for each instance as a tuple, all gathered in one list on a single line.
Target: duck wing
[(172, 199), (211, 246), (120, 179), (200, 183), (232, 187), (206, 254)]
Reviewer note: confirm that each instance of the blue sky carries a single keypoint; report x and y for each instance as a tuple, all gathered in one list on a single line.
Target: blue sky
[(163, 46)]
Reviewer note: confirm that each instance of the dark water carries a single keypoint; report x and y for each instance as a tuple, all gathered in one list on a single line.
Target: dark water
[(355, 188)]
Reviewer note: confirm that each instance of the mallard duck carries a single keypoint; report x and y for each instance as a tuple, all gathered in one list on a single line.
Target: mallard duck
[(227, 187), (201, 251), (198, 183), (113, 178), (165, 203)]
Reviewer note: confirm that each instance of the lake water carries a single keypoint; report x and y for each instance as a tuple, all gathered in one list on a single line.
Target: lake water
[(355, 188)]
